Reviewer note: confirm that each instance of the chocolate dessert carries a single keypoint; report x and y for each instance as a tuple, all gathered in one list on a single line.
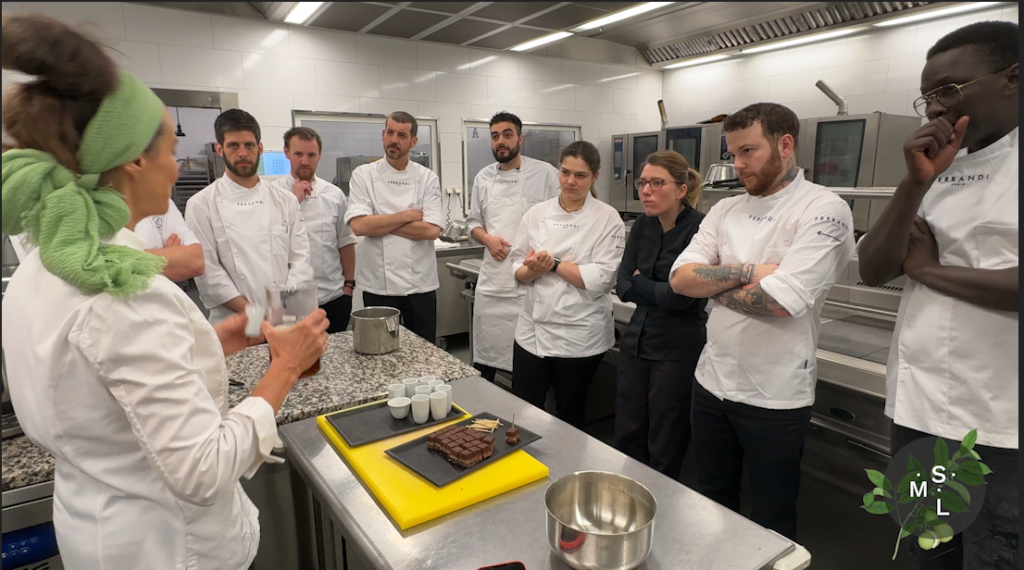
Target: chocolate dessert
[(461, 445), (512, 436)]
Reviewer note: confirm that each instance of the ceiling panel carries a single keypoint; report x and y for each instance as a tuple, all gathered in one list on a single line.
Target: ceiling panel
[(737, 10), (510, 37), (407, 23), (608, 6), (512, 11), (566, 17), (462, 31), (446, 7), (349, 16)]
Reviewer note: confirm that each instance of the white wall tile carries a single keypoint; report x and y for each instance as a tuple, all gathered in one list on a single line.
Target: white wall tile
[(250, 36), (596, 99), (409, 84), (441, 57), (540, 68), (101, 19), (590, 122), (701, 75), (377, 106), (451, 177), (650, 80), (616, 124), (273, 109), (198, 66), (276, 73), (142, 59), (485, 112), (881, 44), (816, 108), (619, 77), (375, 50), (894, 102), (905, 72), (547, 95), (802, 58), (743, 93), (163, 26), (339, 78), (459, 88), (927, 33), (327, 103), (702, 100), (791, 87), (449, 115), (451, 146), (629, 102), (272, 136), (493, 63), (506, 91), (540, 115), (858, 78), (322, 44), (581, 73), (647, 123)]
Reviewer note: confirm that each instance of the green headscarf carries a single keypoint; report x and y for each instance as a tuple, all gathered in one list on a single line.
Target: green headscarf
[(66, 214)]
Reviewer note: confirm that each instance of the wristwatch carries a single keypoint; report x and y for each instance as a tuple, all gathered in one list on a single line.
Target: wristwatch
[(554, 267), (350, 283)]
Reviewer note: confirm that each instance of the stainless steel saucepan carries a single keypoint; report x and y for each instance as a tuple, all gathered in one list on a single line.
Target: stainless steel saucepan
[(375, 330)]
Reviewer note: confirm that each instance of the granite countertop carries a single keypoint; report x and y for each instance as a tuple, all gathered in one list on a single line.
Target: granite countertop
[(346, 379)]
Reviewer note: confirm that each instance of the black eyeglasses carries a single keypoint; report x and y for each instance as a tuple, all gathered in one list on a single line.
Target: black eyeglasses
[(947, 95), (656, 184)]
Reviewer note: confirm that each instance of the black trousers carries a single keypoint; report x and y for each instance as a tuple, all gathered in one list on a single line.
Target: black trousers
[(419, 311), (533, 375), (488, 372), (990, 542), (339, 311), (772, 441), (652, 411)]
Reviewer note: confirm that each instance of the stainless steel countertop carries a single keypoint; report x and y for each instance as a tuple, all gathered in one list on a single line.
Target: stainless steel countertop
[(691, 531), (460, 248)]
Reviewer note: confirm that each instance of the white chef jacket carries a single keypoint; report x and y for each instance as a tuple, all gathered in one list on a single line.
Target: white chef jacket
[(559, 319), (251, 238), (130, 397), (323, 213), (807, 230), (953, 366), (393, 265), (499, 201)]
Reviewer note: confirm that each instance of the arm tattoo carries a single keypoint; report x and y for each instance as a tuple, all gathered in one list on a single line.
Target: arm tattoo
[(790, 174), (751, 300), (725, 273)]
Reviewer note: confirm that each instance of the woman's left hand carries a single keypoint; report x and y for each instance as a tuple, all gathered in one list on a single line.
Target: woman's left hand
[(231, 332)]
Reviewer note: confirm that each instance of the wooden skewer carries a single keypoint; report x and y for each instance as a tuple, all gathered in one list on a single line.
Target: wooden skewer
[(513, 422)]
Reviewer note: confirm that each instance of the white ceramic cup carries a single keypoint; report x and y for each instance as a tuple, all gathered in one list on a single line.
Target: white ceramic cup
[(436, 383), (425, 390), (420, 408), (425, 380), (410, 386), (438, 405), (396, 391), (399, 407), (447, 390)]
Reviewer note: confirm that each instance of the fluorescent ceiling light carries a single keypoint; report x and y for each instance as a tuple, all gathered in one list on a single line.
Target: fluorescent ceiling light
[(619, 16), (543, 40), (803, 40), (697, 61), (936, 14), (301, 12)]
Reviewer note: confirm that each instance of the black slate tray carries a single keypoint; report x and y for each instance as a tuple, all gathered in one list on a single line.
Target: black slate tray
[(374, 422), (433, 467)]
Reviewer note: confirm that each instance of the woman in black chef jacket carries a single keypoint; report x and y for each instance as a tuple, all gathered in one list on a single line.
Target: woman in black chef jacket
[(666, 335)]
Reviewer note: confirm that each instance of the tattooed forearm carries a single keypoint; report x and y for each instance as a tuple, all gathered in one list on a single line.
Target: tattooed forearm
[(751, 300), (702, 281), (725, 273), (790, 174)]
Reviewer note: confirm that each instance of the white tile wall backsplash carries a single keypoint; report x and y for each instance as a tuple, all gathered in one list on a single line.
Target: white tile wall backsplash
[(743, 93), (449, 115), (506, 91), (271, 108), (792, 87), (322, 44), (163, 26), (599, 99), (858, 78), (375, 50), (196, 66), (250, 36), (540, 68), (142, 59), (442, 57), (493, 64), (354, 79), (589, 122), (461, 88), (615, 124), (387, 106), (408, 84), (649, 80), (540, 115), (451, 147), (561, 96), (905, 72), (329, 103), (104, 20), (276, 73), (581, 73), (619, 77), (485, 112), (883, 44)]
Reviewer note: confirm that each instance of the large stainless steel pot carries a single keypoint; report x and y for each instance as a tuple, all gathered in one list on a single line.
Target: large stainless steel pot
[(600, 521), (454, 230), (375, 330)]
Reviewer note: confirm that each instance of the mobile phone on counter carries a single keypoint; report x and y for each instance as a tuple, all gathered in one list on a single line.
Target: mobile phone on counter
[(505, 566)]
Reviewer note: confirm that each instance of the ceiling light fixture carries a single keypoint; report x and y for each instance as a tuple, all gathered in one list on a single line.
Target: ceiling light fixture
[(936, 14), (541, 41), (301, 12), (698, 61), (804, 40), (619, 16)]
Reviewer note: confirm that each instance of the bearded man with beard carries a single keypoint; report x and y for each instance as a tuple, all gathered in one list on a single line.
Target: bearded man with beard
[(332, 245), (251, 231), (768, 259), (502, 193)]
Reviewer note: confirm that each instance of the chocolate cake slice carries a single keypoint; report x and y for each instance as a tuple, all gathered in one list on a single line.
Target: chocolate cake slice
[(512, 436), (461, 445)]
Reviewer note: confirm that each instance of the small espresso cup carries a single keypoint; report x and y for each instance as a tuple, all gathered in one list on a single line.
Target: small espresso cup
[(410, 386), (420, 408), (438, 405), (447, 391), (425, 390), (396, 391)]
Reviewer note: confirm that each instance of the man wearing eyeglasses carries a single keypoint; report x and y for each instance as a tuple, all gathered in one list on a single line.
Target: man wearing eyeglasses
[(952, 229)]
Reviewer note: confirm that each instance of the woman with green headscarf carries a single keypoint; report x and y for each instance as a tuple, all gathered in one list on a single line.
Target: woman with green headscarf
[(112, 368)]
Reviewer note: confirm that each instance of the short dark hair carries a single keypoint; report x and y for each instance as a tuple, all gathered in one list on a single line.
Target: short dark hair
[(506, 117), (776, 120), (234, 120), (403, 118), (997, 42), (304, 134)]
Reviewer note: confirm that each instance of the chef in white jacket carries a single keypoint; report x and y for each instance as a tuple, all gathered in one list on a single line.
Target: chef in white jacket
[(502, 193), (332, 245), (165, 235), (396, 204), (251, 230), (952, 228), (566, 253)]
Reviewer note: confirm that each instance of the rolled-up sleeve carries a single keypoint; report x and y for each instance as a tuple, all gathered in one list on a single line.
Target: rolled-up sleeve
[(599, 274), (359, 203), (433, 207), (822, 247), (703, 247), (142, 348), (216, 286)]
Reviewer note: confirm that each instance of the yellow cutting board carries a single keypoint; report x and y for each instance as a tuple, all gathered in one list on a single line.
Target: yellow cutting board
[(412, 500)]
